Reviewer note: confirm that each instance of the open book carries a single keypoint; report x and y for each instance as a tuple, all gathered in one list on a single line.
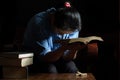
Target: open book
[(84, 40)]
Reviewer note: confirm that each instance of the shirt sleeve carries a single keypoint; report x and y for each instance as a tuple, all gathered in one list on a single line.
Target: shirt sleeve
[(74, 34), (45, 45)]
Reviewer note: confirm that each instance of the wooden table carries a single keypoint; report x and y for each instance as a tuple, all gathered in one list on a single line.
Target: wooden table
[(64, 76)]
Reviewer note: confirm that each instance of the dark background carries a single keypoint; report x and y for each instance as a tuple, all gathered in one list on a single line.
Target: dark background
[(99, 17)]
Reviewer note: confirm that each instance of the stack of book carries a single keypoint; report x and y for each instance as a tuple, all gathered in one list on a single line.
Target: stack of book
[(14, 64)]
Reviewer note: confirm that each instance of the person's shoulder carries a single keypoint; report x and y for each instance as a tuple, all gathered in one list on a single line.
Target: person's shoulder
[(42, 15), (49, 10)]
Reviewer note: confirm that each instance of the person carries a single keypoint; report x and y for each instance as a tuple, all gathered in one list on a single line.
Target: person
[(44, 29)]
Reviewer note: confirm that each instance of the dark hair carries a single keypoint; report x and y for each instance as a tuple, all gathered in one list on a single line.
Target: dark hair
[(67, 18)]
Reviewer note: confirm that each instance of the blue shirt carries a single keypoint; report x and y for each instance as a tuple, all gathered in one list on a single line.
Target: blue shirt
[(39, 33)]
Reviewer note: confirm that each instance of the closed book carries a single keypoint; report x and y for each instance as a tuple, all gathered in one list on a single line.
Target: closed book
[(16, 54), (23, 62)]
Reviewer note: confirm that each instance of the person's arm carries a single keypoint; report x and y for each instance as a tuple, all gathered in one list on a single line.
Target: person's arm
[(48, 55), (72, 50), (51, 56), (60, 52), (54, 55), (71, 55)]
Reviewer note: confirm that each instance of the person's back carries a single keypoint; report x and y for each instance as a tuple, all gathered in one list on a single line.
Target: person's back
[(38, 28)]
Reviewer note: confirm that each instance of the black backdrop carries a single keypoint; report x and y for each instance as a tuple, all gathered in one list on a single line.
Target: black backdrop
[(96, 14), (98, 17)]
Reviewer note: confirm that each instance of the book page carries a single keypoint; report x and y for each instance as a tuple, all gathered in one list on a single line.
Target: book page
[(90, 38), (26, 61)]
